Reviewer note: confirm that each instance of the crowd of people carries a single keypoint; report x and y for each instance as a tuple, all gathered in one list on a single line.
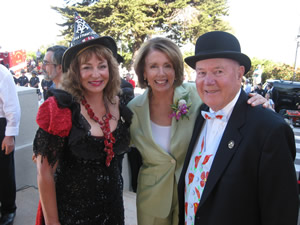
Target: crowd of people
[(268, 91), (209, 152)]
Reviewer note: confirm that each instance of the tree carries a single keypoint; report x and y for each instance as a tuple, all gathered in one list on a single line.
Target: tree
[(131, 22), (273, 70)]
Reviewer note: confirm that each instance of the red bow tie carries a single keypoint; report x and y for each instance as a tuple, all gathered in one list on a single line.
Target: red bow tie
[(208, 115)]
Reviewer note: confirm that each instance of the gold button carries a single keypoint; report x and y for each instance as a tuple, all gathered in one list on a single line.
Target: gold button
[(173, 161)]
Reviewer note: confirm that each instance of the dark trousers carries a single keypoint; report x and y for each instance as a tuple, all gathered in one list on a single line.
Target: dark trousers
[(7, 177)]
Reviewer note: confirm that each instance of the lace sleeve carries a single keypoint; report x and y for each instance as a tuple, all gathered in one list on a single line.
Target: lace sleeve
[(49, 146)]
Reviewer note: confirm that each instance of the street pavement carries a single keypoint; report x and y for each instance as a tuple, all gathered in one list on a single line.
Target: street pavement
[(297, 140), (297, 160)]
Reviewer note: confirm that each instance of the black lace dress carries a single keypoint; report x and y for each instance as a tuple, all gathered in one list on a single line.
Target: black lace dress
[(88, 192)]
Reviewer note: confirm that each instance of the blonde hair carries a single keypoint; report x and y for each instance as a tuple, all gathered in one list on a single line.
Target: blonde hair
[(71, 81), (167, 47)]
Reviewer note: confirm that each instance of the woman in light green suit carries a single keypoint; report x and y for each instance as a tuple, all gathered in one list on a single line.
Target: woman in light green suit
[(161, 139), (162, 136)]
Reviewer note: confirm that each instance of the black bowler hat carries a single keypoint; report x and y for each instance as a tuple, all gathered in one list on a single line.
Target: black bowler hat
[(120, 59), (84, 37), (218, 44)]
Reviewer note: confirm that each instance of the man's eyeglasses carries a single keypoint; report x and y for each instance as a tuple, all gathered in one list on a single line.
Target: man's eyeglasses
[(45, 63)]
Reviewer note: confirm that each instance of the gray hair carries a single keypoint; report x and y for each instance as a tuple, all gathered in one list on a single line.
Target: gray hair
[(58, 52)]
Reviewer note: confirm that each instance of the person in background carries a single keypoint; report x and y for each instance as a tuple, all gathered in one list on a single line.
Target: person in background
[(239, 167), (13, 75), (38, 55), (163, 118), (32, 64), (257, 76), (126, 95), (259, 90), (46, 84), (127, 90), (23, 79), (39, 68), (130, 80), (52, 66), (82, 130), (273, 91), (247, 87), (10, 114), (268, 96), (34, 80)]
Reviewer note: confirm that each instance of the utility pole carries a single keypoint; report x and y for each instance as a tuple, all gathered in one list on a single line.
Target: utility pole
[(295, 63)]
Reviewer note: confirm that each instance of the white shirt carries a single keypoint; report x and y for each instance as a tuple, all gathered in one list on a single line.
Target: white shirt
[(9, 102), (215, 128), (161, 136), (202, 159)]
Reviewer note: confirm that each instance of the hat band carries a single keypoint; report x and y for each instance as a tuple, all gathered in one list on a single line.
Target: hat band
[(85, 48)]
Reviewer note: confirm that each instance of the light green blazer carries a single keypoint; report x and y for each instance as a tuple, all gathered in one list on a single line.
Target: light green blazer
[(159, 174)]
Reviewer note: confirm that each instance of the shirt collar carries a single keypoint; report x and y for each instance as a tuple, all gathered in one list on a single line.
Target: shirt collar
[(227, 110)]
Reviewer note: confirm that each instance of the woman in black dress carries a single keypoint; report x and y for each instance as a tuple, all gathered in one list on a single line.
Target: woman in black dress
[(82, 131)]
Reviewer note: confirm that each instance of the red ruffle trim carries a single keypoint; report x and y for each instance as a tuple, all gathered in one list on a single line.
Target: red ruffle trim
[(39, 215), (54, 120)]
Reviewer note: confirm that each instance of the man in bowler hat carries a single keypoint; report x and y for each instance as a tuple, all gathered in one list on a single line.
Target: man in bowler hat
[(239, 166)]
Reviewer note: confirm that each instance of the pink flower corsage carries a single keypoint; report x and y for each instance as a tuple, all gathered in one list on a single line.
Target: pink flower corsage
[(181, 108)]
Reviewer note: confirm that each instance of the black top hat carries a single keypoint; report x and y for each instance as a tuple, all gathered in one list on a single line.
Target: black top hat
[(84, 36), (218, 44)]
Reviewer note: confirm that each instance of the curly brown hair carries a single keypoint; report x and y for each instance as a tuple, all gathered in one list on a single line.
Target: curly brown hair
[(71, 81), (165, 46)]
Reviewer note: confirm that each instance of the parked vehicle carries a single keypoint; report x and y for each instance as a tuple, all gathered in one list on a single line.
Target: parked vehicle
[(15, 60), (287, 94)]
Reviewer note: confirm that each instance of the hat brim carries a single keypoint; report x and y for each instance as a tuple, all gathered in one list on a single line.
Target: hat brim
[(120, 59), (243, 59), (71, 52)]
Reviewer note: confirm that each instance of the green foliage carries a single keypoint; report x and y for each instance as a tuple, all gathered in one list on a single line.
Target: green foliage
[(188, 70), (32, 54), (273, 70), (131, 22), (208, 17)]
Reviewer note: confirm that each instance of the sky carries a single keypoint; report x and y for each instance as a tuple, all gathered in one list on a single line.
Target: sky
[(29, 24), (266, 29)]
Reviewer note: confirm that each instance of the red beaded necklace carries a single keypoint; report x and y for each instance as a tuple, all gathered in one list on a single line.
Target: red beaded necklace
[(104, 125)]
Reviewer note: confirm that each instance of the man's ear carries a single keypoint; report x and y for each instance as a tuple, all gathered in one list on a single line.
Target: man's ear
[(241, 72), (60, 68)]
